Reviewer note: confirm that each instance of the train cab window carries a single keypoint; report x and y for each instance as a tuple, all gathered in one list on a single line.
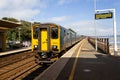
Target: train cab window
[(35, 33), (54, 32)]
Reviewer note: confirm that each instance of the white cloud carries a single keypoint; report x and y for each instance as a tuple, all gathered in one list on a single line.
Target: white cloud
[(83, 27), (60, 19), (61, 2), (88, 28), (20, 8), (92, 0)]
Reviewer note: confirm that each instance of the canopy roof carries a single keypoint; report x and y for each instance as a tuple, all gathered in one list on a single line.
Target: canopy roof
[(8, 24)]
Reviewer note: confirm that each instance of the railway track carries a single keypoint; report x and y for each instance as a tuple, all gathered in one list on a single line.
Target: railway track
[(20, 67), (17, 66), (12, 58), (9, 72)]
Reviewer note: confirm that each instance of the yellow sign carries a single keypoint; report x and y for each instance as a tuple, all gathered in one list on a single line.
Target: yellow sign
[(103, 16)]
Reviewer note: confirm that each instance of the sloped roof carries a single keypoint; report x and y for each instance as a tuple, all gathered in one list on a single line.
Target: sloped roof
[(8, 24)]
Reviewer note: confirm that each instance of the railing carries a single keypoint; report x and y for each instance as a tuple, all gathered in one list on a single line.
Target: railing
[(102, 44)]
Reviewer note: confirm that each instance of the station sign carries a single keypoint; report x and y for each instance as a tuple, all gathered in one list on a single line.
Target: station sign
[(103, 15)]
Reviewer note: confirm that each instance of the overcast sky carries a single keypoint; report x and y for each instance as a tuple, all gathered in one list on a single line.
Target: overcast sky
[(75, 14)]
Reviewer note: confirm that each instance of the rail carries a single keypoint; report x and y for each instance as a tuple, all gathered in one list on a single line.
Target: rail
[(19, 66), (10, 59)]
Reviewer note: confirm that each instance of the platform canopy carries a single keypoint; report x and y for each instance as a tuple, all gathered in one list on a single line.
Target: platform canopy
[(8, 24)]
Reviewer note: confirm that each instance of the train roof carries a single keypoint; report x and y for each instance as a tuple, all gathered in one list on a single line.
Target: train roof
[(46, 24), (72, 30), (50, 24)]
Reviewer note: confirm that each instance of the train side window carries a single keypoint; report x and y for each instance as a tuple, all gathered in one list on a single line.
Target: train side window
[(54, 32), (64, 32), (67, 33), (35, 33)]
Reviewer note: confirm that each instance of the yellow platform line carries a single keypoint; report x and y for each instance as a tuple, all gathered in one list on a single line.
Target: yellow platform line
[(75, 62)]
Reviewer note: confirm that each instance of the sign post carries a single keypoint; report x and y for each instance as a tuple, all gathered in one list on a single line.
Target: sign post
[(95, 27), (106, 14)]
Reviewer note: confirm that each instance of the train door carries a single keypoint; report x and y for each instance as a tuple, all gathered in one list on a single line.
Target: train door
[(44, 39)]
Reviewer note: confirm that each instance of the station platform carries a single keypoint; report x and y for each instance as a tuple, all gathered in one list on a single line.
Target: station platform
[(82, 62), (15, 51)]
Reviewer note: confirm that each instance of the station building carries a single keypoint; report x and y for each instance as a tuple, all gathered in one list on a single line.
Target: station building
[(4, 26)]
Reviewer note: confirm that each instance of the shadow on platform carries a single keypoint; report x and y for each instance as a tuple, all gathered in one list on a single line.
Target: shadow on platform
[(103, 67), (99, 67)]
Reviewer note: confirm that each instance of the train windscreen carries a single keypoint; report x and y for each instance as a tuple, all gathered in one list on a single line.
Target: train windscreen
[(54, 32), (35, 33)]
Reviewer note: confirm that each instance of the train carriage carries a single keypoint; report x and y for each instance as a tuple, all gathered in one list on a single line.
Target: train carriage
[(72, 36), (51, 40)]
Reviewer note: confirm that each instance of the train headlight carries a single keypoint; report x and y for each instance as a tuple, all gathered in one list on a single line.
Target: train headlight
[(35, 46), (54, 47)]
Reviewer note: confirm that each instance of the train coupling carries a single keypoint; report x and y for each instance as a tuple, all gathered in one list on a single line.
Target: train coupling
[(44, 55)]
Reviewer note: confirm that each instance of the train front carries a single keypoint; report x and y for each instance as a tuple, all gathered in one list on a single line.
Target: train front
[(48, 43)]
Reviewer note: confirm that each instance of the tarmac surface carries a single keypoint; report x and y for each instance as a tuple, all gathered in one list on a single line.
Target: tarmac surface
[(87, 64), (92, 65)]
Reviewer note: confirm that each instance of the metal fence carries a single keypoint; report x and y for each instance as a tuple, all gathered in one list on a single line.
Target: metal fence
[(102, 44)]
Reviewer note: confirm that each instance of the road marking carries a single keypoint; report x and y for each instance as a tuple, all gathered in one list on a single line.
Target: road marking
[(87, 70), (75, 62)]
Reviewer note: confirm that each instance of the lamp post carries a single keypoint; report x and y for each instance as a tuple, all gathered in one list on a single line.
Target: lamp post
[(95, 26), (31, 23), (19, 32)]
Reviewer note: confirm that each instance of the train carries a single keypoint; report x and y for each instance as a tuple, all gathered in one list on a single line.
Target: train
[(49, 40)]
